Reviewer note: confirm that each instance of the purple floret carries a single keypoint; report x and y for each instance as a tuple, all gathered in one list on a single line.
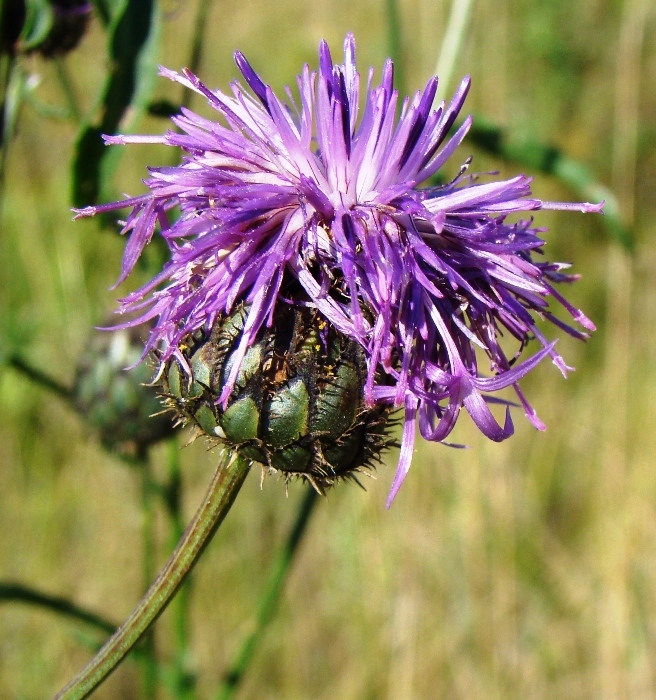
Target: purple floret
[(425, 279)]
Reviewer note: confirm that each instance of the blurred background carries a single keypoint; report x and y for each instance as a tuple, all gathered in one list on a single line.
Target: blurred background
[(525, 569)]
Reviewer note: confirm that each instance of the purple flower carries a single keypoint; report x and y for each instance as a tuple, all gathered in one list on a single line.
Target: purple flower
[(425, 279)]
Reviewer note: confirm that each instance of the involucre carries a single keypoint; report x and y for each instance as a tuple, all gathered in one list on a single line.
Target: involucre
[(297, 406)]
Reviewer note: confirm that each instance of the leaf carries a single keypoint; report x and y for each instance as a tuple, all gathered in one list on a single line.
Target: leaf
[(133, 39), (39, 18)]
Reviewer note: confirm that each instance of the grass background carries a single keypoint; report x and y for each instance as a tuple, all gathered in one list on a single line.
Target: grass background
[(525, 569)]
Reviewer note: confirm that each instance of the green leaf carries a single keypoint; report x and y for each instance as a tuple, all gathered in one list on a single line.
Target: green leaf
[(39, 18), (133, 40)]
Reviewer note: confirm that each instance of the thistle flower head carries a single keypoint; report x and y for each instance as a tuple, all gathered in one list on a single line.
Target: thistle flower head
[(316, 201)]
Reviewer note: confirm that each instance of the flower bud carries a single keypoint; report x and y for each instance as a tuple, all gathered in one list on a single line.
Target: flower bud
[(120, 403)]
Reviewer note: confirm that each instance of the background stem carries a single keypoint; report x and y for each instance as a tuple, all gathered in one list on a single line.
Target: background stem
[(394, 44), (16, 592), (69, 91), (198, 39), (39, 377)]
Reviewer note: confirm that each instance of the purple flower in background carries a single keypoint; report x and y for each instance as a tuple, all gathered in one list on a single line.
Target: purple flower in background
[(425, 279)]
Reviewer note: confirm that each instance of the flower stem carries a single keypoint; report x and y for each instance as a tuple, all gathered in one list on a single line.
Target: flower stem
[(228, 479), (270, 596)]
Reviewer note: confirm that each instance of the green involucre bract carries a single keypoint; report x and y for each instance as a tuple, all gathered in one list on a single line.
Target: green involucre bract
[(297, 406)]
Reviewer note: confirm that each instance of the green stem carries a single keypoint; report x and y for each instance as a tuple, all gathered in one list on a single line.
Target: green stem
[(270, 596), (12, 98), (15, 592), (102, 11), (454, 34), (228, 479), (550, 160)]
